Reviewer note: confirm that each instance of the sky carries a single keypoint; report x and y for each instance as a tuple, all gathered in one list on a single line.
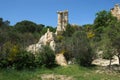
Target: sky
[(45, 11)]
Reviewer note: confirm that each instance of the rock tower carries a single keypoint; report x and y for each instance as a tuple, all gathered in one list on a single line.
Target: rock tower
[(116, 11), (62, 20), (49, 37)]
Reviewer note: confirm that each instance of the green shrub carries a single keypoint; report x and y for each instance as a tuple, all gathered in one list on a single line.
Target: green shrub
[(8, 54), (24, 60), (46, 57), (4, 63), (12, 56), (82, 50), (85, 57), (59, 38), (67, 54)]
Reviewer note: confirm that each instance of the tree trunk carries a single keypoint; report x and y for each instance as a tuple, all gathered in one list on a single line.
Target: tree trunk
[(110, 63)]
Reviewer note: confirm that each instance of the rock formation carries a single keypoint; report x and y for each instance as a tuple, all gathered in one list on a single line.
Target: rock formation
[(47, 39), (62, 21), (116, 11), (60, 59)]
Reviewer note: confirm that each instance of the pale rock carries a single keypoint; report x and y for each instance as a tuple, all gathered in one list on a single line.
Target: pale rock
[(34, 48), (105, 62), (60, 59), (116, 11), (47, 39), (52, 45)]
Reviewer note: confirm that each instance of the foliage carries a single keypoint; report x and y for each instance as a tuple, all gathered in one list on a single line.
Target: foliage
[(111, 36), (8, 54), (46, 57), (13, 56), (51, 28), (66, 48), (74, 42), (90, 35), (83, 51), (44, 30), (15, 38), (26, 26), (59, 38), (4, 23), (115, 38), (108, 51), (24, 60), (103, 19), (69, 31), (68, 56)]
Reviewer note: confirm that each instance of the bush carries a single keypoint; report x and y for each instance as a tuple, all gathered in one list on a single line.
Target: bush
[(67, 54), (81, 49), (85, 57), (69, 30), (8, 54), (24, 60), (3, 63), (59, 38), (46, 57), (12, 56)]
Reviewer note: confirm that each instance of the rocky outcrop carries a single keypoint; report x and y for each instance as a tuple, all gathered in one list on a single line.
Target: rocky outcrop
[(60, 59), (116, 11), (105, 62), (47, 39)]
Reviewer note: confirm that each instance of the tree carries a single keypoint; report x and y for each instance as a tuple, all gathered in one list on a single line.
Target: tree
[(26, 26), (81, 48), (115, 38), (39, 27), (113, 35), (108, 49), (116, 44), (51, 28), (103, 19)]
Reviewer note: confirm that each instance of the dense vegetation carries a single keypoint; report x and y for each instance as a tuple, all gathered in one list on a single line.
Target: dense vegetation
[(79, 43), (15, 39), (104, 34)]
